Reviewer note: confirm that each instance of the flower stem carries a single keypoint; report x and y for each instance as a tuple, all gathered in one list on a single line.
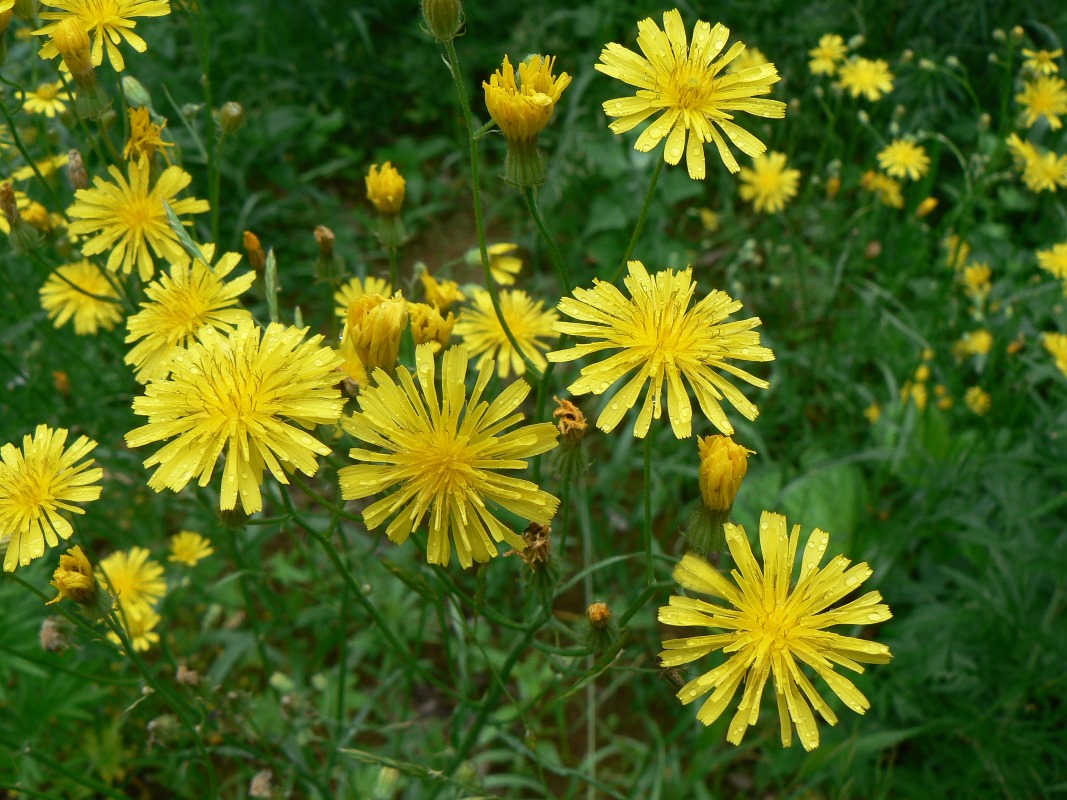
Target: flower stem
[(29, 160), (640, 221), (393, 260), (479, 222), (648, 509), (530, 197)]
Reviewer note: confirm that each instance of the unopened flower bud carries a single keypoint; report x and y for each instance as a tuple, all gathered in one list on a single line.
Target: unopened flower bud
[(231, 117), (570, 420), (999, 35), (443, 18), (723, 465), (952, 62), (72, 42), (857, 41), (257, 258), (925, 207), (385, 188), (74, 579), (428, 325), (833, 186), (23, 236), (1017, 33), (599, 615), (136, 95), (371, 338), (76, 174), (329, 268), (907, 56)]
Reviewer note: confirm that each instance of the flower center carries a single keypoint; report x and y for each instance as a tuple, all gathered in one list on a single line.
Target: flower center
[(689, 87), (776, 626), (447, 465), (47, 91), (31, 492), (137, 213)]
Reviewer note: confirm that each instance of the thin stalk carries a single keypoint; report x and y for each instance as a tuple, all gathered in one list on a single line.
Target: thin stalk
[(246, 596), (590, 661), (640, 221), (394, 257), (648, 510), (78, 777), (212, 141), (29, 160), (530, 197)]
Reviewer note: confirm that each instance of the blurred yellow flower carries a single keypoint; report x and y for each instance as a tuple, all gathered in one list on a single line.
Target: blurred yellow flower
[(385, 188), (132, 579), (1054, 260), (749, 58), (687, 82), (1042, 62), (441, 293), (770, 627), (49, 99), (864, 77), (522, 107), (873, 413), (1044, 97), (46, 166), (504, 265), (976, 281), (427, 325), (825, 58), (957, 251), (886, 189), (902, 158), (357, 287), (80, 291), (978, 400), (528, 321), (1056, 344), (769, 185), (189, 548), (139, 626), (110, 21), (146, 137), (976, 343)]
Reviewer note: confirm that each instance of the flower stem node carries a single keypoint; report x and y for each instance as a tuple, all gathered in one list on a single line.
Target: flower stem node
[(443, 18)]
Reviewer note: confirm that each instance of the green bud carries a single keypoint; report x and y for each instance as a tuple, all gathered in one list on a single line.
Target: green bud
[(136, 95), (231, 117), (443, 18)]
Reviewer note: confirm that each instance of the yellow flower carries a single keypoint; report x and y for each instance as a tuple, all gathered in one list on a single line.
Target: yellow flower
[(918, 394), (448, 458), (179, 305), (887, 189), (189, 548), (1056, 344), (769, 185), (49, 99), (976, 343), (385, 188), (922, 373), (132, 579), (46, 166), (723, 466), (529, 323), (709, 219), (240, 393), (371, 338), (862, 76), (110, 21), (689, 85), (661, 340), (427, 325), (976, 283), (128, 218), (978, 400), (441, 293), (80, 291), (1042, 62), (957, 251), (36, 483), (1044, 97), (824, 58), (925, 207), (145, 136), (1054, 261), (139, 625), (751, 57), (873, 413), (503, 264), (1041, 170), (357, 287), (770, 628), (904, 159), (70, 40), (522, 108), (73, 578)]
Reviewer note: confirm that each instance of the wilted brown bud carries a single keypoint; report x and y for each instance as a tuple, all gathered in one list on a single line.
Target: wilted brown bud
[(599, 615), (76, 174), (570, 420), (873, 249), (260, 785), (52, 637), (538, 550), (186, 676), (257, 258), (61, 381), (325, 238)]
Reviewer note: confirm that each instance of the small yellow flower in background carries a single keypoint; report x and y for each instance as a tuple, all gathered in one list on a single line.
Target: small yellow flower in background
[(661, 340), (1042, 170), (864, 77), (944, 401), (441, 293), (1044, 97), (189, 548), (36, 483), (976, 343), (873, 413), (833, 186), (978, 400), (132, 579), (885, 188), (371, 338), (427, 325), (723, 466), (1042, 62), (770, 628), (902, 158), (925, 207), (385, 188), (46, 166), (528, 321), (504, 265), (522, 107), (976, 282), (257, 257), (927, 354), (1054, 261), (80, 291), (241, 393), (128, 218), (448, 455), (922, 373), (356, 288), (688, 83), (751, 57), (179, 304), (825, 58), (957, 251), (918, 394), (709, 220), (145, 136), (139, 625), (1056, 344), (769, 185), (74, 579), (110, 21), (49, 99)]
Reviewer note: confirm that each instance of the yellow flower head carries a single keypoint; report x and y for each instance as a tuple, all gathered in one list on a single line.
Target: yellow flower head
[(904, 159), (975, 280), (371, 338), (769, 628), (529, 323), (110, 21), (189, 548), (976, 343), (357, 287), (749, 58), (864, 77), (36, 483), (74, 579), (925, 207), (885, 188), (1056, 344), (1042, 62), (1044, 97), (427, 325), (769, 185), (46, 166), (957, 251), (132, 579), (522, 108), (49, 99), (661, 340), (441, 293), (1054, 260), (825, 58), (139, 625), (504, 265), (242, 393), (145, 136), (689, 84), (448, 455), (385, 188), (723, 465), (873, 413), (179, 304), (978, 400), (128, 218), (79, 291)]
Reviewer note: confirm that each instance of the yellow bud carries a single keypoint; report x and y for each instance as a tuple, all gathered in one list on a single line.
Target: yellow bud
[(372, 334), (427, 325), (833, 186), (257, 259), (922, 373), (441, 293), (723, 464), (599, 615), (570, 420), (74, 579), (72, 42), (925, 207), (385, 188)]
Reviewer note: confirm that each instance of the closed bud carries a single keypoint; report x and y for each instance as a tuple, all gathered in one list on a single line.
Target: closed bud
[(1017, 33), (136, 95), (599, 615), (833, 186), (371, 339), (925, 207), (428, 325), (385, 188), (257, 258), (602, 632), (231, 117), (723, 465), (74, 579), (329, 268), (72, 42), (443, 18)]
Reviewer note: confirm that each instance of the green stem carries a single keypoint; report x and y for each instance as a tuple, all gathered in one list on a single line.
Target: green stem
[(212, 140), (640, 221), (648, 509), (479, 222), (530, 197), (26, 155), (80, 778), (394, 258), (246, 596)]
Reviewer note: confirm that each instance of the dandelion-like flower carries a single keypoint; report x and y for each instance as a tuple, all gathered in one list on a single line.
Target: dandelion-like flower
[(240, 393), (978, 401), (885, 188), (109, 22), (135, 582), (146, 137), (504, 265), (830, 52), (528, 321), (139, 626), (770, 628), (1044, 97), (976, 281), (1054, 261), (128, 217), (356, 288), (866, 78), (179, 304), (49, 99), (689, 83), (1042, 62), (769, 185), (447, 456), (904, 159), (189, 548), (1056, 344), (80, 292), (661, 340), (36, 484), (521, 107), (441, 293)]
